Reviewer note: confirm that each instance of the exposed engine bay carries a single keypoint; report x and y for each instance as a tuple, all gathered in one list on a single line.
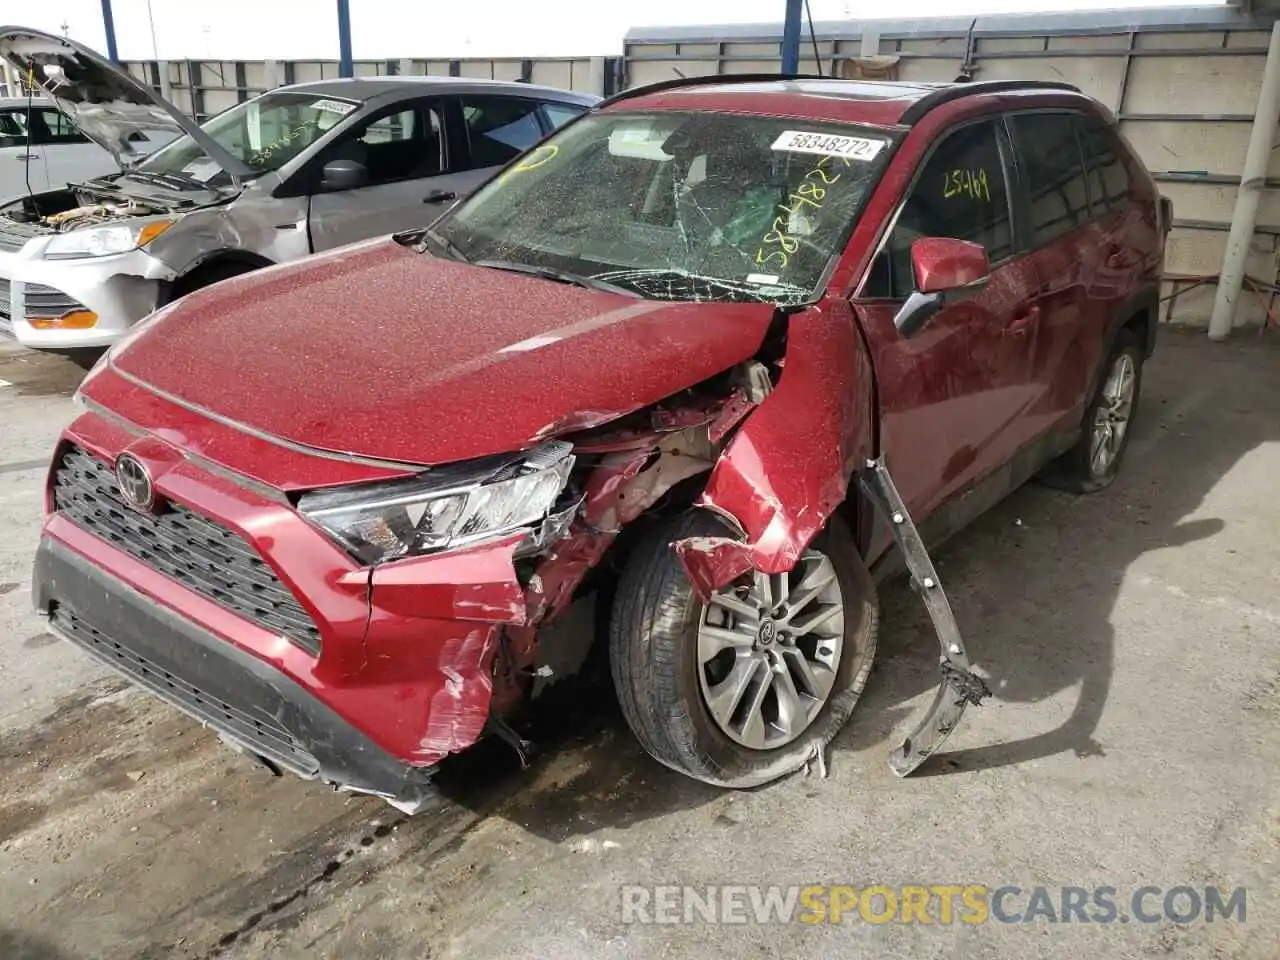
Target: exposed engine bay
[(58, 211)]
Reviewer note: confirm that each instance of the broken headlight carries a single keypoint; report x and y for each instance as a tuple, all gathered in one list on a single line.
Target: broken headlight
[(450, 508)]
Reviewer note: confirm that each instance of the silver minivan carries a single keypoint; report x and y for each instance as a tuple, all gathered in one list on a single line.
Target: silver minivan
[(296, 170)]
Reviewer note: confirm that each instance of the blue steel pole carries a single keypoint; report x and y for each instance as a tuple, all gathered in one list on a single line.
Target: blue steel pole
[(345, 67), (109, 26), (791, 37)]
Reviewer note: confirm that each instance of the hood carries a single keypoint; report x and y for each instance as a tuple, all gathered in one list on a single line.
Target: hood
[(381, 352), (104, 102)]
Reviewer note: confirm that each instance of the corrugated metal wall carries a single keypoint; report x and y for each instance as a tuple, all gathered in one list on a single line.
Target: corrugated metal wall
[(1185, 98), (1183, 81)]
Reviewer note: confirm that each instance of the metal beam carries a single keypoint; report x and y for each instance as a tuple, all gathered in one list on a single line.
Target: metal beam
[(345, 67), (109, 28), (791, 37)]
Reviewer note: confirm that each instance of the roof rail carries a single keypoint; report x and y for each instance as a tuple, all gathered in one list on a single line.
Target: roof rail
[(916, 112), (708, 80)]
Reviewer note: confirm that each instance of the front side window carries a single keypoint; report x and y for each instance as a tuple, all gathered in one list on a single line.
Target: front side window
[(50, 126), (406, 142), (679, 206), (1049, 158), (264, 133), (960, 193), (500, 128)]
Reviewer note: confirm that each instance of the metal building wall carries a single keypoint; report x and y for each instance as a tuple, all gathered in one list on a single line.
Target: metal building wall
[(1183, 82)]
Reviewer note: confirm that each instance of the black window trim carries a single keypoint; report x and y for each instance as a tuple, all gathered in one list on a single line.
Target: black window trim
[(1004, 145)]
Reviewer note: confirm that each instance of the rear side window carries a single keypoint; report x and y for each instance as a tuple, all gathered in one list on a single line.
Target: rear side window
[(500, 128), (1108, 176), (960, 193), (1049, 158)]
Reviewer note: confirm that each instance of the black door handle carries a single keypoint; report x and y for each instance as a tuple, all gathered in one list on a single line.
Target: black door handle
[(439, 196)]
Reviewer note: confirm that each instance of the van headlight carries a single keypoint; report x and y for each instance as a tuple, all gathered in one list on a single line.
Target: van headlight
[(449, 508), (106, 240)]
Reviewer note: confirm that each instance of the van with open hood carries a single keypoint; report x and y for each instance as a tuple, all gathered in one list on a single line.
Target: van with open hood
[(295, 170), (701, 367)]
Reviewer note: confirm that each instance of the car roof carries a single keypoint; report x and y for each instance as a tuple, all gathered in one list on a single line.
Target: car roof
[(876, 102), (7, 102), (383, 87)]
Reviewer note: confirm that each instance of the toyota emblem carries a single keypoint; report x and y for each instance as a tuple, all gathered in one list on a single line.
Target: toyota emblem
[(135, 483)]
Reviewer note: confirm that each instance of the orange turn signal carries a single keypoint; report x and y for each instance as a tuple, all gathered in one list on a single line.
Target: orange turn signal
[(76, 320)]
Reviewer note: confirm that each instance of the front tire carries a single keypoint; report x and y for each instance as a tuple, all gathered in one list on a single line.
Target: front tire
[(748, 688)]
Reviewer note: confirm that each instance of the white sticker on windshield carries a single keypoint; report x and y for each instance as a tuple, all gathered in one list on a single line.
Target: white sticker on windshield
[(828, 144), (202, 169), (766, 279), (334, 106)]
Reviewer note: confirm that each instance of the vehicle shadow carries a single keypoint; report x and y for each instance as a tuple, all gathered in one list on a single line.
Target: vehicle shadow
[(16, 945), (1033, 585)]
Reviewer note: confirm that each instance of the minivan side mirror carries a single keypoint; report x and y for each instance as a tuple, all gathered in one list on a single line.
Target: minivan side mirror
[(344, 175), (946, 271)]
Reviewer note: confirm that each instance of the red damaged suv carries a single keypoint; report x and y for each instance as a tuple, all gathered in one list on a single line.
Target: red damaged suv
[(710, 360)]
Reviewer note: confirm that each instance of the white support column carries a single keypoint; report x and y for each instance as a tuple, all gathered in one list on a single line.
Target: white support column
[(271, 74), (406, 68), (596, 81), (870, 42), (1252, 183)]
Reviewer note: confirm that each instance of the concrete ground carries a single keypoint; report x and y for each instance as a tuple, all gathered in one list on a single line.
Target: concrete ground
[(1133, 638)]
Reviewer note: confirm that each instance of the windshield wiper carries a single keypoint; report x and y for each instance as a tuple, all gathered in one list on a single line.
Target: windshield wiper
[(559, 276), (180, 180), (448, 245)]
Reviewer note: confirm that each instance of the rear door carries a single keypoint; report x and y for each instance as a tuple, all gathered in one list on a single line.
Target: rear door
[(499, 129), (953, 397), (20, 161), (415, 167)]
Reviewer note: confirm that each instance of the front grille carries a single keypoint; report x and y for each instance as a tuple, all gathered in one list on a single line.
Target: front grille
[(41, 301), (256, 730), (183, 545)]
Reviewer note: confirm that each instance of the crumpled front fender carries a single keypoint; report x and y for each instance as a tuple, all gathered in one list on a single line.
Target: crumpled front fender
[(787, 469)]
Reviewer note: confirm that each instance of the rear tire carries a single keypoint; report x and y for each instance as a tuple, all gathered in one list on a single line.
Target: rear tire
[(666, 680), (1094, 461)]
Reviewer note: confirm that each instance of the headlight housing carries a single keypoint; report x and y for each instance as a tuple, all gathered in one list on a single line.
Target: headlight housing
[(450, 508), (105, 240)]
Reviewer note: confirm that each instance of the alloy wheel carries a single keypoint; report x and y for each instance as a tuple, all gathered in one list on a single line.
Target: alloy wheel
[(768, 652), (1111, 422)]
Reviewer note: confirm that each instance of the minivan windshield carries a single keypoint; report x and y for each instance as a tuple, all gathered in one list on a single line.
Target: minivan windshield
[(264, 133), (677, 206)]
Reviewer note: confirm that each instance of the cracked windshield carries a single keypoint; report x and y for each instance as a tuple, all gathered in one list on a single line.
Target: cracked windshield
[(265, 134), (673, 206)]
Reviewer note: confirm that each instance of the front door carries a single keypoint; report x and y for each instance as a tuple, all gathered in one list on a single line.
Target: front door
[(413, 172), (953, 397)]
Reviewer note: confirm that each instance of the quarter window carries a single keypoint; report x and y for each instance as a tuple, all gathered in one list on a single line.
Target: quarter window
[(1108, 176), (558, 114), (1049, 158), (960, 193)]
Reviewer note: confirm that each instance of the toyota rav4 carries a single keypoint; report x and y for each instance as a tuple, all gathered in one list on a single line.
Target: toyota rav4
[(707, 363)]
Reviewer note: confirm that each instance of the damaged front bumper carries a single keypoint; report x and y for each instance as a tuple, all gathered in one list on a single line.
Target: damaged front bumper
[(250, 704), (86, 302)]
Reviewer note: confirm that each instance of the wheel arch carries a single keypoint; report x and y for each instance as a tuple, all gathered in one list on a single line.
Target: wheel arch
[(195, 275)]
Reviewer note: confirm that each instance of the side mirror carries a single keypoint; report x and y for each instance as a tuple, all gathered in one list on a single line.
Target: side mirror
[(344, 175), (946, 271)]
